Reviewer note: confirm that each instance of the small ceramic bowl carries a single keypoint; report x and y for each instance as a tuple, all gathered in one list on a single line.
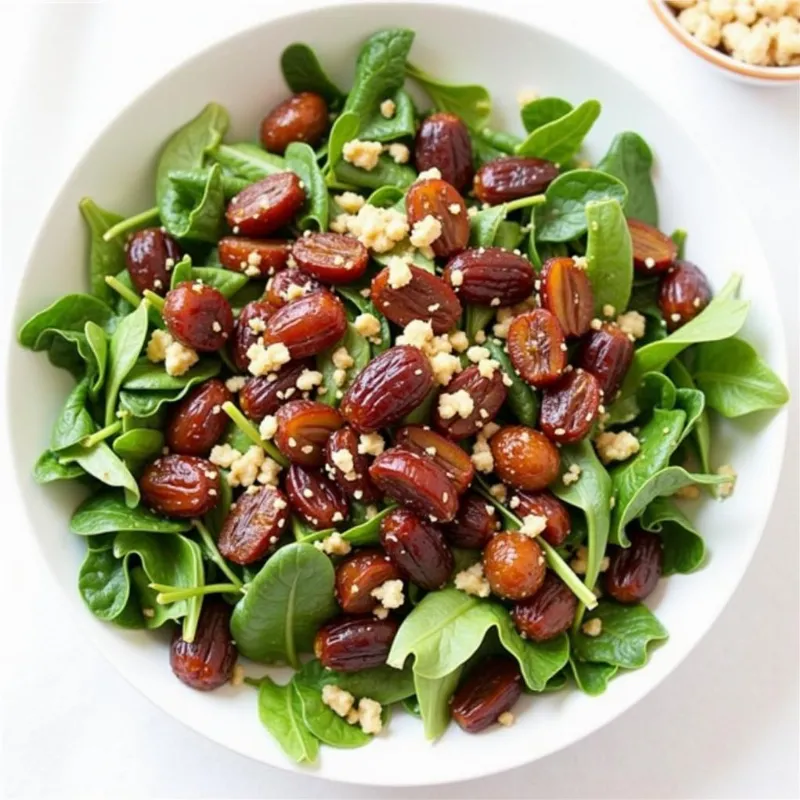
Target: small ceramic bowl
[(738, 70)]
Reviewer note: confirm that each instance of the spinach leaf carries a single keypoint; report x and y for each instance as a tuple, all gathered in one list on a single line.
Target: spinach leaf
[(74, 421), (126, 344), (383, 684), (187, 216), (484, 227), (248, 160), (509, 235), (543, 111), (386, 197), (476, 318), (558, 141), (343, 130), (609, 255), (644, 299), (592, 678), (411, 705), (364, 533), (106, 512), (130, 225), (433, 701), (386, 173), (287, 601), (701, 430), (735, 380), (360, 352), (469, 101), (401, 124), (489, 144), (301, 160), (96, 366), (563, 217), (192, 184), (303, 73), (105, 258), (181, 272), (522, 399), (630, 159), (104, 585), (223, 280), (100, 461), (324, 723), (352, 294), (623, 641), (281, 713), (48, 469), (684, 549)]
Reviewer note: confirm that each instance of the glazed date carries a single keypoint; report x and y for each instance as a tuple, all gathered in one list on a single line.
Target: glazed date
[(252, 529), (512, 177), (308, 325), (302, 117), (331, 257), (348, 468), (443, 142), (180, 486), (524, 458), (265, 394), (547, 505), (249, 325), (475, 523), (358, 575), (150, 254), (290, 284), (492, 687), (318, 500), (514, 565), (487, 394), (265, 206), (490, 276), (256, 257), (569, 407), (633, 572), (438, 199), (350, 644), (548, 613), (653, 251), (304, 427), (607, 354), (197, 422), (567, 294), (537, 348), (447, 454), (683, 294), (198, 316)]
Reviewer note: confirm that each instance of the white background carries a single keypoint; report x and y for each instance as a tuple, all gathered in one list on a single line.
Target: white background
[(725, 724)]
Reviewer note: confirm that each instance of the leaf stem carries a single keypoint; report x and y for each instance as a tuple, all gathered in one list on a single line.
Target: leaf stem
[(123, 291), (129, 224), (525, 202), (155, 300), (251, 432), (103, 433), (214, 554), (171, 594)]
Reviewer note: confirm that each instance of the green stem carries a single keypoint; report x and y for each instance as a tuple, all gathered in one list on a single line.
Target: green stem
[(525, 202), (251, 432), (103, 433), (171, 594), (123, 291), (132, 223), (215, 555), (155, 300)]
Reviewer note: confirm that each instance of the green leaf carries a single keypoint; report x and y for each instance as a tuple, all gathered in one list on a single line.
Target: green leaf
[(326, 724), (592, 678), (105, 258), (489, 144), (303, 73), (542, 111), (360, 352), (401, 124), (679, 237), (301, 160), (287, 601), (351, 293), (126, 227), (198, 219), (735, 380), (563, 217), (386, 173), (104, 584), (644, 298), (433, 698), (626, 633), (192, 184), (181, 272), (630, 159), (106, 512), (127, 343), (248, 160), (343, 130), (281, 713), (365, 533), (225, 281), (701, 430), (97, 342), (559, 140), (383, 684), (469, 101), (684, 549), (48, 469), (100, 461), (74, 421), (522, 399), (609, 255)]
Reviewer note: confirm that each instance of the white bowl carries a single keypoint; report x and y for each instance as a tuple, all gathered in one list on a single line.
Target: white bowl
[(462, 45)]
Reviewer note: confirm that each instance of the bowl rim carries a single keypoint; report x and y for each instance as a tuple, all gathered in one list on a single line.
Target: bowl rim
[(775, 75), (778, 363)]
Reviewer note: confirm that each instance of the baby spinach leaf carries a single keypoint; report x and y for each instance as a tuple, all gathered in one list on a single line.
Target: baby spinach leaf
[(248, 160), (644, 298), (735, 380), (97, 342), (630, 159), (559, 140), (543, 111), (360, 352), (303, 73), (343, 130), (365, 305), (411, 705), (224, 280), (74, 421), (433, 701), (100, 461), (563, 217), (104, 584), (287, 601), (609, 255), (384, 684), (142, 444), (281, 713), (192, 184), (626, 633), (181, 272), (684, 549), (130, 225), (364, 533), (148, 386), (386, 197), (105, 258), (701, 429), (476, 318), (592, 678), (522, 399), (509, 235), (488, 144), (324, 723), (106, 512), (301, 160), (469, 101), (198, 219), (485, 225), (378, 128), (126, 344), (386, 173), (48, 469)]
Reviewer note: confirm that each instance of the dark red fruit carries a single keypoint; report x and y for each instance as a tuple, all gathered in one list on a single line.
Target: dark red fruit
[(263, 207), (437, 198), (475, 523), (290, 284), (490, 276), (358, 575), (198, 316), (304, 427), (607, 354), (548, 613), (569, 407), (302, 117), (514, 565), (150, 255), (544, 504), (180, 486), (355, 482), (537, 348), (197, 423), (487, 394), (252, 529), (492, 687), (524, 458), (331, 257), (443, 142), (634, 571), (350, 644), (567, 294), (309, 325), (265, 394), (447, 454), (248, 327), (512, 177), (318, 500), (653, 251), (683, 294), (266, 256)]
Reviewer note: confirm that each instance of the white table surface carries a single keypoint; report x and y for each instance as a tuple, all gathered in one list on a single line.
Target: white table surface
[(725, 724)]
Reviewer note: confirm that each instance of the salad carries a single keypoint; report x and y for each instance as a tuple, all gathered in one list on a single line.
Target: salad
[(403, 401)]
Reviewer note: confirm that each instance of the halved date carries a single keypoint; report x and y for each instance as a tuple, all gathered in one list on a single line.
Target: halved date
[(342, 451), (318, 500), (265, 394), (653, 251), (548, 613), (607, 354), (447, 454), (683, 294), (250, 324), (492, 687), (350, 644), (512, 177), (569, 407), (267, 205), (537, 348), (443, 142), (488, 395), (426, 297), (180, 486), (148, 254), (567, 293), (633, 572), (524, 458), (416, 482), (388, 388), (418, 548), (301, 117), (246, 255), (197, 422), (514, 565), (545, 504), (438, 199), (290, 284), (490, 276), (331, 257), (475, 523), (252, 529), (304, 427), (358, 575), (308, 325), (198, 316)]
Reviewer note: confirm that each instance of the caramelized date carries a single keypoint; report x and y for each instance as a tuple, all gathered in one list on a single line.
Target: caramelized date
[(492, 687), (653, 251), (569, 408), (514, 565), (304, 427), (415, 482), (449, 456), (263, 207), (512, 177), (437, 198), (488, 395), (418, 548), (331, 257), (683, 294), (252, 529), (302, 117), (426, 297), (358, 575), (180, 486), (207, 662), (443, 142), (316, 499), (490, 276), (197, 422), (150, 254), (265, 394), (544, 504), (475, 523), (633, 572), (567, 293), (548, 613), (249, 325), (266, 256), (350, 644), (537, 348), (290, 284), (354, 481), (388, 388), (198, 316), (607, 354), (308, 325), (524, 458)]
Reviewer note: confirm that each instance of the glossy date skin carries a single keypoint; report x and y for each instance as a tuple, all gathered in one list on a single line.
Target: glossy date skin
[(308, 325), (633, 572), (198, 316), (490, 276), (358, 575), (492, 687), (180, 486), (443, 142), (447, 454), (474, 525), (316, 498), (353, 643), (304, 427), (150, 255), (514, 565), (548, 613), (488, 396), (303, 117), (512, 177), (524, 458), (197, 423), (252, 529), (265, 206), (438, 199), (570, 407)]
